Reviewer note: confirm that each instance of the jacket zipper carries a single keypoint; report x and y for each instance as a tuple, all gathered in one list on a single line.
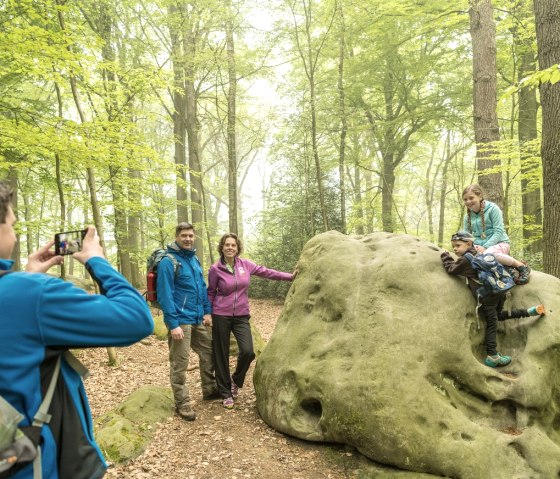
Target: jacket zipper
[(195, 284), (235, 294)]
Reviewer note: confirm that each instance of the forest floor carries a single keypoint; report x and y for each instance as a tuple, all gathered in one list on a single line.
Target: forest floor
[(219, 444)]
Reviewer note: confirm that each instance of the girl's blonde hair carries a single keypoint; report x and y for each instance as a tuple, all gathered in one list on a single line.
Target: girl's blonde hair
[(477, 190)]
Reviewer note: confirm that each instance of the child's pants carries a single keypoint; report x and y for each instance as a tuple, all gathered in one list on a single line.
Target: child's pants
[(491, 306)]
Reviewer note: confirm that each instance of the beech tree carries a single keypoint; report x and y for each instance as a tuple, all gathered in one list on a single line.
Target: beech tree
[(485, 115), (547, 16)]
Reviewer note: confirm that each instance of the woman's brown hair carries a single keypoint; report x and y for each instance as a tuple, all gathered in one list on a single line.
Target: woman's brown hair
[(223, 241)]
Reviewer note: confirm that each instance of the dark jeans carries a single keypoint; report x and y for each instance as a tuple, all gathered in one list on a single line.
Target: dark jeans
[(514, 314), (222, 327), (491, 307)]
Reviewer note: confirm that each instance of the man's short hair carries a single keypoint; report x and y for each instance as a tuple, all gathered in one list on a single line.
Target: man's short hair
[(6, 195), (463, 236), (183, 226)]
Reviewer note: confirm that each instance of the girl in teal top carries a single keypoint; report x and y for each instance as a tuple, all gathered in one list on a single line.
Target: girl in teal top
[(484, 220)]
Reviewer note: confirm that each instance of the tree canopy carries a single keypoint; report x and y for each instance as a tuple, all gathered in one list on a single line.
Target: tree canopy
[(279, 119)]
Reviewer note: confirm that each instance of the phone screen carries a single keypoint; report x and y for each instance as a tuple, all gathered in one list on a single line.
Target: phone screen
[(68, 242)]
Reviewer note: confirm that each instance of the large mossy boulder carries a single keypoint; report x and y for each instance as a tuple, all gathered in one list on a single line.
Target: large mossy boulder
[(379, 348), (122, 434)]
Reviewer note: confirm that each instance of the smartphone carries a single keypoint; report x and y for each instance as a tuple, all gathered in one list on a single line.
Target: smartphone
[(68, 242)]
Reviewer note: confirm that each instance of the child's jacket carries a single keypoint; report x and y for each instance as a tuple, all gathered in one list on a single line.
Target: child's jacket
[(461, 267)]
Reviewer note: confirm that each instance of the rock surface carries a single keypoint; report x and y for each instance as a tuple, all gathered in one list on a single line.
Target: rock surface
[(377, 347), (122, 434)]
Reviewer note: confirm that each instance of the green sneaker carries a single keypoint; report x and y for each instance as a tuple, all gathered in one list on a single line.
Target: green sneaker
[(497, 361), (536, 310), (524, 273)]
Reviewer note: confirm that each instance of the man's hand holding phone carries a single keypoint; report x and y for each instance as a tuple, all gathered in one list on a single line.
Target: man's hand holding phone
[(43, 259), (91, 247)]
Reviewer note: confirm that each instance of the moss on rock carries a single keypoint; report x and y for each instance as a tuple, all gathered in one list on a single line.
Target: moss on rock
[(124, 432)]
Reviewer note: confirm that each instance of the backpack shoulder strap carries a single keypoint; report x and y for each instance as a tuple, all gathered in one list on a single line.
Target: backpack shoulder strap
[(42, 416), (176, 264)]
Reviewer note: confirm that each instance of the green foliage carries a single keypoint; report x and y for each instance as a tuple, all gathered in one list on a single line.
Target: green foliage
[(292, 217), (88, 89)]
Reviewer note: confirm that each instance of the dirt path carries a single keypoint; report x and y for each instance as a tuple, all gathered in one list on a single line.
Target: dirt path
[(220, 444)]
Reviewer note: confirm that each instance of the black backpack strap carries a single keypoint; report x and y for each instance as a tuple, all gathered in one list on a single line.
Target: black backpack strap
[(175, 263), (42, 416)]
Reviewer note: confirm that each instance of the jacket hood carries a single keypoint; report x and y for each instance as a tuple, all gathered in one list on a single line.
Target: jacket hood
[(175, 248)]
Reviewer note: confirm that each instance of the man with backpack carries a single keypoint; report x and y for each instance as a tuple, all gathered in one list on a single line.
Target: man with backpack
[(183, 298), (40, 319), (489, 287)]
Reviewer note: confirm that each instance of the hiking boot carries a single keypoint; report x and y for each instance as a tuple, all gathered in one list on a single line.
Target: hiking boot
[(234, 390), (186, 412), (536, 310), (524, 272), (497, 361), (211, 396), (228, 403)]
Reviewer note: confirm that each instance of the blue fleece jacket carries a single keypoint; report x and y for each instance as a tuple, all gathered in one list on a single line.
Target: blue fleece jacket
[(38, 311), (183, 298), (494, 228)]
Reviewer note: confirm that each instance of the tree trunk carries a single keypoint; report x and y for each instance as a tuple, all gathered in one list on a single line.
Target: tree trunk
[(358, 206), (547, 16), (309, 60), (429, 194), (195, 170), (89, 171), (315, 150), (12, 180), (388, 185), (343, 122), (369, 199), (105, 30), (486, 130), (231, 119), (527, 132), (176, 33), (134, 228), (443, 189)]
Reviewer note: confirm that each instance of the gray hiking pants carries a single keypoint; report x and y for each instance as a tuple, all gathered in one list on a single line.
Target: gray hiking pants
[(199, 337)]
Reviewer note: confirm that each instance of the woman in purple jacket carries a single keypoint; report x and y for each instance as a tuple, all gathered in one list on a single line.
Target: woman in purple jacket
[(228, 285)]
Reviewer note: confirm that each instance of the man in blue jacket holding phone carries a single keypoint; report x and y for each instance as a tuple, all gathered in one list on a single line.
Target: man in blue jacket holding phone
[(40, 318)]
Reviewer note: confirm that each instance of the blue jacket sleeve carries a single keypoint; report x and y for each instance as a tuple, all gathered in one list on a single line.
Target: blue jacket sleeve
[(166, 293), (70, 317), (206, 304)]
